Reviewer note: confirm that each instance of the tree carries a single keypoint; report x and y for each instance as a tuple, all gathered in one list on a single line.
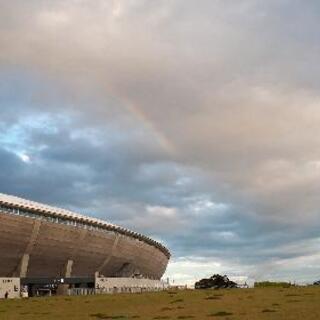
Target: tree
[(215, 282)]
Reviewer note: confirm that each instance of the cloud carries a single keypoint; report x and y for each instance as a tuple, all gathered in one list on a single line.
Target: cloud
[(197, 124)]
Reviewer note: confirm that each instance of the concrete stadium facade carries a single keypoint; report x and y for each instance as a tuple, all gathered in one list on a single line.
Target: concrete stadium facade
[(40, 241)]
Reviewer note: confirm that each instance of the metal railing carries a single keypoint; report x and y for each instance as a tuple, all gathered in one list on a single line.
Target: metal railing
[(115, 290)]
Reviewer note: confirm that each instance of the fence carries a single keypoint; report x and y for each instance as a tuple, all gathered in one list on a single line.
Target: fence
[(115, 290)]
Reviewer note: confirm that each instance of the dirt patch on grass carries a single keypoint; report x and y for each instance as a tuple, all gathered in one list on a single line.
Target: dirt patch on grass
[(220, 314), (268, 310), (105, 316)]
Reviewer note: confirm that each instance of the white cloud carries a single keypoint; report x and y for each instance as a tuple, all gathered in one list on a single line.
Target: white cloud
[(162, 211)]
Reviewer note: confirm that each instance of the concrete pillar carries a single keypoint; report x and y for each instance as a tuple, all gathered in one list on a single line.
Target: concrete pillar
[(34, 236), (22, 268), (67, 272), (108, 258), (68, 269), (62, 289)]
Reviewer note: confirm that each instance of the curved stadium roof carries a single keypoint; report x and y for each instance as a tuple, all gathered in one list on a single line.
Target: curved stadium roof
[(19, 203)]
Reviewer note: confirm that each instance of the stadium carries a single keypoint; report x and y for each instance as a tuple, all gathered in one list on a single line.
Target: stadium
[(43, 242)]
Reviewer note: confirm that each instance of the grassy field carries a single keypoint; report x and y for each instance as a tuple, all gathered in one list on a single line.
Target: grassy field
[(262, 303)]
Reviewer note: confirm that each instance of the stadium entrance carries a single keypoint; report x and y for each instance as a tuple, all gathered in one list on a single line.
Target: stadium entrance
[(54, 286)]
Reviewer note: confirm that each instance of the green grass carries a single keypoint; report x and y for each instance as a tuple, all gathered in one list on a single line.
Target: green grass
[(254, 304)]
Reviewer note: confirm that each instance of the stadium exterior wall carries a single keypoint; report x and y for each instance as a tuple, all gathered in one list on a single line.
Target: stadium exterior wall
[(41, 241)]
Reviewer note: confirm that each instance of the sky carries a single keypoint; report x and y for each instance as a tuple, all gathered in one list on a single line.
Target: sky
[(194, 122)]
